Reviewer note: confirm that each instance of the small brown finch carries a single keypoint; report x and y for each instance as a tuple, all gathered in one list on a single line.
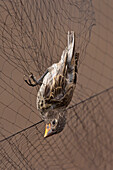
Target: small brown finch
[(57, 85)]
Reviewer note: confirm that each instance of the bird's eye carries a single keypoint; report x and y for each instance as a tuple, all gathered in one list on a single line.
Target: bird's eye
[(54, 122)]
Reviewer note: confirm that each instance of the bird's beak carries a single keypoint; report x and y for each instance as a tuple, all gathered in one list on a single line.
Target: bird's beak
[(48, 130)]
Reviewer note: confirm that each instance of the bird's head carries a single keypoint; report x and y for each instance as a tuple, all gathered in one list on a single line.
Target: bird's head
[(55, 124)]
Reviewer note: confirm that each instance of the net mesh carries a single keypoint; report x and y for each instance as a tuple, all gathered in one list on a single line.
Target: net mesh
[(33, 36)]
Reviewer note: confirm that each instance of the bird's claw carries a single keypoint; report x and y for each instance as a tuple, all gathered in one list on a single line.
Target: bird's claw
[(30, 80)]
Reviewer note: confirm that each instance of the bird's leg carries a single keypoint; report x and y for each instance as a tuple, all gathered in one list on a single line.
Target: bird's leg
[(32, 80)]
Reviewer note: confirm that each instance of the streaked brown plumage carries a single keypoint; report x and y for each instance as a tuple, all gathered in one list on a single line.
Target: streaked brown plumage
[(56, 88)]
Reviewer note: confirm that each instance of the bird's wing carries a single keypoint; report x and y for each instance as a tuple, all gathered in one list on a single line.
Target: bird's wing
[(60, 93)]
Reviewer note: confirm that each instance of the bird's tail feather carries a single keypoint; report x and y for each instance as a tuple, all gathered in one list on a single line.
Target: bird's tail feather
[(70, 58), (71, 45), (75, 68), (72, 61)]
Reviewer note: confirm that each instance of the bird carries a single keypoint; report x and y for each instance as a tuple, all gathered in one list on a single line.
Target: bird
[(56, 90)]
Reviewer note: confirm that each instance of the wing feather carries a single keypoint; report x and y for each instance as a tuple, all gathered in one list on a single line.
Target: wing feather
[(61, 92)]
